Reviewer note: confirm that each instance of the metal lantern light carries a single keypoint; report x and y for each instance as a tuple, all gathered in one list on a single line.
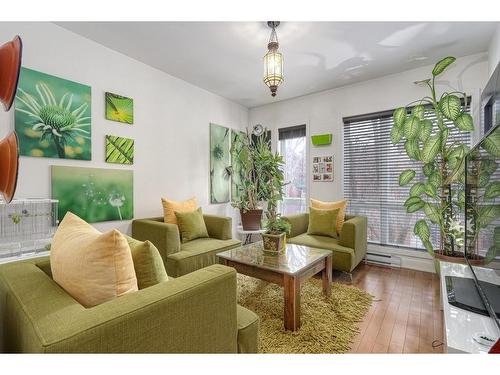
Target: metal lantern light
[(273, 61)]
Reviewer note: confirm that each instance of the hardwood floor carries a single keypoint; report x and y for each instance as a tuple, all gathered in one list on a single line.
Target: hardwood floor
[(405, 315)]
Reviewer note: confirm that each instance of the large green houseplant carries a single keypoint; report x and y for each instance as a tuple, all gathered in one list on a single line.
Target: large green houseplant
[(425, 132)]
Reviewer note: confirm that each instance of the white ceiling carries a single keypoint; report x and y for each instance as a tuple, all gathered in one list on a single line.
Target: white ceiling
[(226, 57)]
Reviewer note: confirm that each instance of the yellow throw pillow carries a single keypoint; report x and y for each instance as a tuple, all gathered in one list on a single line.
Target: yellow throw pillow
[(170, 207), (93, 267), (341, 205)]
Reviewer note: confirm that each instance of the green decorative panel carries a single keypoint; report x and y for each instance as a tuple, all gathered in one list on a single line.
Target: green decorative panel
[(321, 139), (220, 159), (119, 108), (53, 117), (119, 150), (236, 171)]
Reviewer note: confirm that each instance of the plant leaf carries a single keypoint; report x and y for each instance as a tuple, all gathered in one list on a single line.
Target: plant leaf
[(406, 176), (425, 130), (492, 190), (399, 117), (431, 190), (442, 65), (428, 169), (412, 149), (487, 214), (451, 107), (417, 189), (396, 134), (432, 212), (492, 143), (411, 127), (416, 205), (418, 111), (411, 201), (435, 179), (422, 230), (464, 122), (429, 248), (431, 148)]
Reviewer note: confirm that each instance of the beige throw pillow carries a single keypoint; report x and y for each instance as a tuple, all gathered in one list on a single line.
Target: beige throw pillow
[(171, 207), (93, 267), (341, 205)]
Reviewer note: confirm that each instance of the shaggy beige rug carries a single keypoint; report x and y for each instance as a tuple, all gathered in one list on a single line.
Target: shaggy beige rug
[(328, 324)]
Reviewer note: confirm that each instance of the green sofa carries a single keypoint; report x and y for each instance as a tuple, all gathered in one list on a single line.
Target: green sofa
[(183, 258), (196, 313), (348, 250)]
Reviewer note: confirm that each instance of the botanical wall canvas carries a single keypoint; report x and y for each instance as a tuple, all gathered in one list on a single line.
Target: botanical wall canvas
[(119, 150), (236, 172), (119, 108), (94, 194), (53, 117), (220, 159)]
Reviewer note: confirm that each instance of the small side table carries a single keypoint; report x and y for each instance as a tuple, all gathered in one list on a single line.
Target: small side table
[(246, 235)]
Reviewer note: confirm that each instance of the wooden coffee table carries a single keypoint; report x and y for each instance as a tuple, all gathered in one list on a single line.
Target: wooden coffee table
[(289, 270)]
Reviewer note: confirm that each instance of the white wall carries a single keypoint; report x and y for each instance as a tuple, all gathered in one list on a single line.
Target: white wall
[(494, 52), (323, 112), (171, 120)]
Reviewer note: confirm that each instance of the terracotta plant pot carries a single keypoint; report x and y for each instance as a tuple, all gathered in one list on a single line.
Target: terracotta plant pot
[(274, 243), (458, 259), (251, 219)]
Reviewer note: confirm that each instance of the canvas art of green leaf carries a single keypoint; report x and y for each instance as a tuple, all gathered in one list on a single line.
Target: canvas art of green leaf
[(53, 116), (119, 108), (119, 150), (94, 194)]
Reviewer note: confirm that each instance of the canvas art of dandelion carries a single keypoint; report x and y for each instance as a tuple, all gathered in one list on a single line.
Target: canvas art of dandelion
[(53, 117), (220, 164), (94, 194), (119, 108)]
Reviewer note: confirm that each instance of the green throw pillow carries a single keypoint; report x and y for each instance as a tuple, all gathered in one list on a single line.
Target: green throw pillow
[(148, 264), (191, 225), (323, 222)]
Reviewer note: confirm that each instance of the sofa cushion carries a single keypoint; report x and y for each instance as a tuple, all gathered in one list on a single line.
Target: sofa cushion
[(341, 205), (248, 330), (191, 225), (343, 257), (93, 267), (322, 222), (197, 254), (148, 264), (169, 208)]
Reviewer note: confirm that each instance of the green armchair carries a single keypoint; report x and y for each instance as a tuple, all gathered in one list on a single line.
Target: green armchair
[(348, 250), (196, 313), (182, 258)]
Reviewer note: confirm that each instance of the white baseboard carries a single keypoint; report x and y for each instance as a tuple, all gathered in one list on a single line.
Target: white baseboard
[(410, 259)]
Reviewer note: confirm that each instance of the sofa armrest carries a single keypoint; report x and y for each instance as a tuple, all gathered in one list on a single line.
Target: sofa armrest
[(195, 313), (219, 227), (164, 236), (354, 235), (298, 222)]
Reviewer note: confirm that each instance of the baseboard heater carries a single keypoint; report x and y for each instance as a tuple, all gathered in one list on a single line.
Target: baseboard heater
[(382, 259)]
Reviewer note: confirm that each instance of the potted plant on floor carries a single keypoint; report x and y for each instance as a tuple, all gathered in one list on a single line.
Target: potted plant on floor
[(252, 156), (440, 194)]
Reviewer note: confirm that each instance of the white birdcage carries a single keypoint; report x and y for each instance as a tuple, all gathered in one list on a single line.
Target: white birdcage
[(26, 226)]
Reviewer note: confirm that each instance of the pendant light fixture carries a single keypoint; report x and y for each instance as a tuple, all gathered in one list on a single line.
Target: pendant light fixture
[(273, 61)]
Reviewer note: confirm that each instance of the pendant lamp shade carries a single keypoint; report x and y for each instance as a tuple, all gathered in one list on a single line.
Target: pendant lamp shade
[(10, 66), (9, 165)]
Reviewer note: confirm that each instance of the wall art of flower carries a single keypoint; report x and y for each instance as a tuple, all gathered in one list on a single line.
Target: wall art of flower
[(94, 194), (119, 108), (53, 117), (220, 160)]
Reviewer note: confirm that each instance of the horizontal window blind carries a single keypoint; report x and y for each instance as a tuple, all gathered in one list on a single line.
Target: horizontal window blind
[(292, 132), (372, 165)]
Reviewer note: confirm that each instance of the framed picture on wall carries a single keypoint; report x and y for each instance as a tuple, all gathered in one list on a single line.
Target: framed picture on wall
[(322, 168)]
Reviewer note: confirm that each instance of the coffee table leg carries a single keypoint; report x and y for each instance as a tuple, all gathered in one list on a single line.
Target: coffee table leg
[(291, 286), (326, 275)]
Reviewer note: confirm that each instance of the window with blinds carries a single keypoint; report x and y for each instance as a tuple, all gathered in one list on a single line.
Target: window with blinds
[(372, 165)]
